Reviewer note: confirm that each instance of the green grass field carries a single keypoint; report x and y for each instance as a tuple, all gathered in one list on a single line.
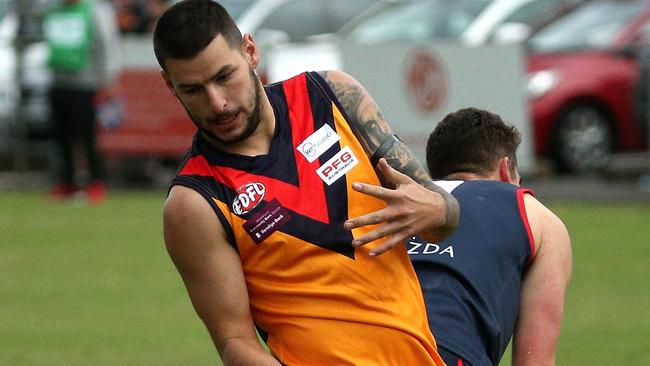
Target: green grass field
[(94, 286)]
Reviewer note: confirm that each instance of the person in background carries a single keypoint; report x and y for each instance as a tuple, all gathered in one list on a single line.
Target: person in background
[(276, 219), (155, 8), (84, 59), (132, 16), (506, 269)]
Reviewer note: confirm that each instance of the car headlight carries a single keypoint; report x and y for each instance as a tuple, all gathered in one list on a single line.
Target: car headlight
[(540, 82)]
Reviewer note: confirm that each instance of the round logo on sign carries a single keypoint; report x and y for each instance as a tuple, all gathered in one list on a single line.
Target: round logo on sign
[(426, 81)]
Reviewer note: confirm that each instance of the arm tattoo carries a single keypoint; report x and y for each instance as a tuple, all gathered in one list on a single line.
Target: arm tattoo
[(366, 122), (400, 158), (370, 128)]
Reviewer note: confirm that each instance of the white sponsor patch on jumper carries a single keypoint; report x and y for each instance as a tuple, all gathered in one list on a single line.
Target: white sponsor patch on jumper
[(337, 166), (448, 185), (318, 142)]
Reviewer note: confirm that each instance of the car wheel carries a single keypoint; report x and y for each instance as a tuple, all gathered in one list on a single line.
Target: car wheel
[(583, 140)]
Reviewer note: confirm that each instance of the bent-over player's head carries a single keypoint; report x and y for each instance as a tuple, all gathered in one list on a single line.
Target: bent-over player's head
[(189, 26), (473, 141)]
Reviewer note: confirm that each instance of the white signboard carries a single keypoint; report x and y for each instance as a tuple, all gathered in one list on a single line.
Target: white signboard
[(416, 85)]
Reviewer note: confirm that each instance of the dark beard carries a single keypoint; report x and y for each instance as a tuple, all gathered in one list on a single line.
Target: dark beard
[(252, 122)]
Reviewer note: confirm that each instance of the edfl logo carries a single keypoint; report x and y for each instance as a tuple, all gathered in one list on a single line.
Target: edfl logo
[(248, 197)]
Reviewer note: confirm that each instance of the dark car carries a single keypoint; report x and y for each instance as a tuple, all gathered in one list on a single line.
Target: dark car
[(583, 81)]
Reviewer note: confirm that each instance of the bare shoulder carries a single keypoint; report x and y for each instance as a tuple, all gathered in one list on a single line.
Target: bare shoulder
[(547, 228), (353, 96), (365, 118), (540, 214), (338, 76), (356, 101), (190, 224), (182, 197), (184, 204)]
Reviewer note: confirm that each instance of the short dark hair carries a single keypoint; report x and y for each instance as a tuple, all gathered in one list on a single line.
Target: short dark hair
[(188, 27), (471, 140)]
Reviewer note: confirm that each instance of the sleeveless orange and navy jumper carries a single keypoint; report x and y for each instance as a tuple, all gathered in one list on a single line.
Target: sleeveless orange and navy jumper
[(314, 299)]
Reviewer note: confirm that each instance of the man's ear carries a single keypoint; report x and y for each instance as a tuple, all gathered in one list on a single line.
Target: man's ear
[(251, 52), (168, 82), (504, 171)]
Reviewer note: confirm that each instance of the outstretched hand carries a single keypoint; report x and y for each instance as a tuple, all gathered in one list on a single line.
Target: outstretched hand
[(410, 209)]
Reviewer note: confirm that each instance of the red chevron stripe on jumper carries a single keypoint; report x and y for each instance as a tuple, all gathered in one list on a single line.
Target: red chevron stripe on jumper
[(310, 187)]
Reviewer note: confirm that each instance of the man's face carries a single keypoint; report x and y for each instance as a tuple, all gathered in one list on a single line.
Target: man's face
[(219, 90)]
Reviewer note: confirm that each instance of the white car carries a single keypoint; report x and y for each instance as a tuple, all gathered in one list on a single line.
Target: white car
[(471, 22)]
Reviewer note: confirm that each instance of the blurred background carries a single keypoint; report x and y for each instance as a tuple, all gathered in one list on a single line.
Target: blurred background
[(570, 74), (91, 285)]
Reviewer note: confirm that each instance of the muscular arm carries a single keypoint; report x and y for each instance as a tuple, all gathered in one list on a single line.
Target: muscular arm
[(370, 127), (372, 130), (543, 289), (212, 273)]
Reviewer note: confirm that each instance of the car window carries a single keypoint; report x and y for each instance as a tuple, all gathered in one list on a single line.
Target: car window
[(591, 26), (418, 20), (300, 19), (527, 13)]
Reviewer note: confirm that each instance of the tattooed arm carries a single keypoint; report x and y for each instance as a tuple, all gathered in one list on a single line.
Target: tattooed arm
[(415, 205)]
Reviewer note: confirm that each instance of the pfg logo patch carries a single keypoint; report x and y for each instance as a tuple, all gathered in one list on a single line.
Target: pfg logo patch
[(337, 166), (248, 197)]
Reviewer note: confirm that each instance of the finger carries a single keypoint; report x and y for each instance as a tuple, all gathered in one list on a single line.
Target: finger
[(382, 249), (383, 231), (392, 242), (389, 229), (391, 174), (372, 190), (372, 218)]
